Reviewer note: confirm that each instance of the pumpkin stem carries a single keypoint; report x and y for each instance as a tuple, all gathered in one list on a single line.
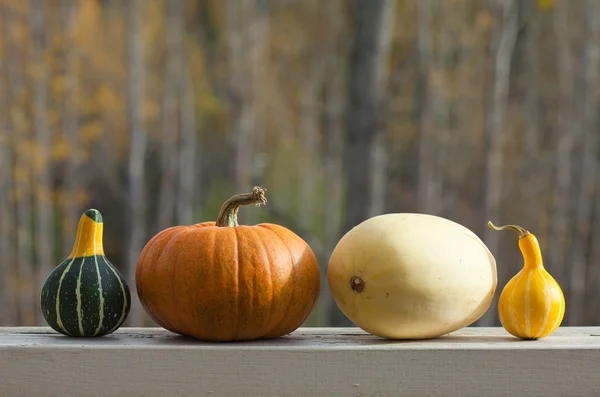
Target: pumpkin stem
[(522, 232), (229, 209)]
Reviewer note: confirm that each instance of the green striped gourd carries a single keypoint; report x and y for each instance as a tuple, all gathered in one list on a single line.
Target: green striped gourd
[(86, 295)]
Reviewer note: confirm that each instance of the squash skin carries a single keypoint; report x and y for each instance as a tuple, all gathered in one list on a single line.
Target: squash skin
[(85, 295), (420, 276), (236, 283)]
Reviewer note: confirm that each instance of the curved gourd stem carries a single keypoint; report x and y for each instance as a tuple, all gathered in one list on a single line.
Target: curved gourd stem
[(230, 208), (88, 241), (522, 232), (530, 247)]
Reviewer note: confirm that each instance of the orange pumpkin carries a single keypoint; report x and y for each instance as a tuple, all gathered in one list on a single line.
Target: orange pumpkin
[(220, 281)]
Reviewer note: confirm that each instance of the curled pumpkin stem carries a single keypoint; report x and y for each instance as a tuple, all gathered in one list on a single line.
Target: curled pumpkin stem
[(522, 232), (230, 208)]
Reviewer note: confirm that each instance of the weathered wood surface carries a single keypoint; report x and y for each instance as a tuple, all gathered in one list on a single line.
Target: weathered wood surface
[(309, 362)]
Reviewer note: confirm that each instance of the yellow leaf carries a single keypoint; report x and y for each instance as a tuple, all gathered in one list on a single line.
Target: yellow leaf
[(484, 20), (545, 5), (60, 150), (151, 109), (106, 96), (58, 85), (91, 130)]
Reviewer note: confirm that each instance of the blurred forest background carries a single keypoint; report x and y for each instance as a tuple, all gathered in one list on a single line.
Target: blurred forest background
[(155, 112)]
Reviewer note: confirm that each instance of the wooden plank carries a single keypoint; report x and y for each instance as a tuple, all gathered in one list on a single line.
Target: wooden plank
[(309, 362)]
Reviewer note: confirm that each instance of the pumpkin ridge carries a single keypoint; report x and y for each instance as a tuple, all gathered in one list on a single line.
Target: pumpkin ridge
[(301, 263), (189, 233), (149, 258), (237, 284), (153, 249), (168, 235), (314, 302), (268, 266), (217, 302), (172, 240), (166, 248), (292, 287), (317, 286), (210, 238)]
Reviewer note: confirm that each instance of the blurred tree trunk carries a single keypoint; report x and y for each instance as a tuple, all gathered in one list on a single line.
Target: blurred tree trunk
[(71, 208), (109, 114), (582, 236), (530, 168), (7, 221), (434, 129), (378, 177), (138, 140), (308, 139), (333, 146), (22, 173), (189, 150), (593, 279), (368, 76), (379, 92), (307, 166), (311, 84), (332, 164), (242, 117), (426, 134), (503, 45), (173, 71), (247, 28), (44, 236), (560, 227)]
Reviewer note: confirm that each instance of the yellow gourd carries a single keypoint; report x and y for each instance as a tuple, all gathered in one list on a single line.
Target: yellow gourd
[(532, 304)]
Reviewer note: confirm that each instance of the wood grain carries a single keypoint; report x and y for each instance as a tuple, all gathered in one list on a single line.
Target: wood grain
[(310, 362)]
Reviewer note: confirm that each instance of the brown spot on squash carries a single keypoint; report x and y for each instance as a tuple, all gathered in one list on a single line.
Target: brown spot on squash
[(357, 284)]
